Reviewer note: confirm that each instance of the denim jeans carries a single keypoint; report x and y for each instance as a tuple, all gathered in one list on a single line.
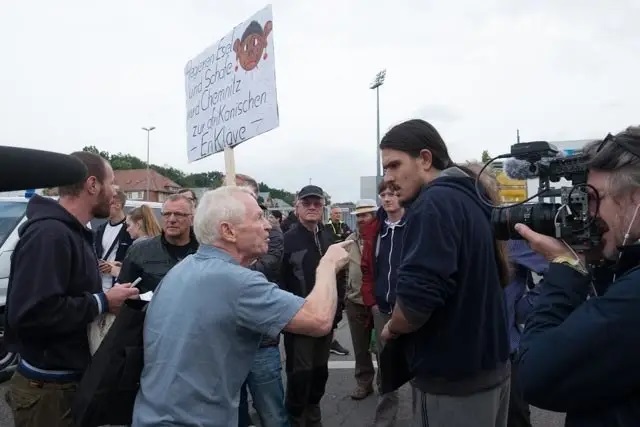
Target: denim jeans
[(265, 383)]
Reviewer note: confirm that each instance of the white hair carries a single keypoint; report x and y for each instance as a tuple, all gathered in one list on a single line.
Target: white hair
[(215, 207)]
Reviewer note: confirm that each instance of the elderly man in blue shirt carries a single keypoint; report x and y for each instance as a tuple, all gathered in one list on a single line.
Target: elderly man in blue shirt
[(207, 317)]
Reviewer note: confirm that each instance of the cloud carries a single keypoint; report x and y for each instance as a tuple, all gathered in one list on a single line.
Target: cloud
[(82, 73), (437, 113)]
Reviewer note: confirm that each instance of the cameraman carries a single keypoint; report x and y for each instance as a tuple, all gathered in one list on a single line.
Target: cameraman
[(581, 355)]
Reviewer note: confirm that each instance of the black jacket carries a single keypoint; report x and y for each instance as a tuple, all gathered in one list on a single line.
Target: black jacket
[(54, 290), (340, 230), (151, 260), (123, 245), (269, 265), (302, 254), (579, 355)]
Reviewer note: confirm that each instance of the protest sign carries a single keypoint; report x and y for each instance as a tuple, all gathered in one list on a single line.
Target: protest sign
[(231, 89)]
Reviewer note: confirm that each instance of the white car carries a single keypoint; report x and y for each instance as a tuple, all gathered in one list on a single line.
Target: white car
[(12, 215)]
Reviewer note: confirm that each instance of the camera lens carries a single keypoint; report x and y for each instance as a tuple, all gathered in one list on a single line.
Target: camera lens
[(539, 217)]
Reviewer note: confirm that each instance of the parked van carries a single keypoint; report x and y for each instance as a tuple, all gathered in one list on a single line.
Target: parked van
[(12, 215)]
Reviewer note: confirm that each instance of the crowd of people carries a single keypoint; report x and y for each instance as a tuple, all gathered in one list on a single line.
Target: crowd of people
[(427, 289)]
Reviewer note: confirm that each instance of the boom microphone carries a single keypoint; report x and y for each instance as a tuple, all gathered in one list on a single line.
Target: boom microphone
[(520, 169), (24, 168)]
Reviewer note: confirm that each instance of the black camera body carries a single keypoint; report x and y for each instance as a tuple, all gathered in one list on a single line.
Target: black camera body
[(569, 220)]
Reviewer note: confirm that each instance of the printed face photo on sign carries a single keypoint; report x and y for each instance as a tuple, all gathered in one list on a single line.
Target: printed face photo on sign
[(250, 48)]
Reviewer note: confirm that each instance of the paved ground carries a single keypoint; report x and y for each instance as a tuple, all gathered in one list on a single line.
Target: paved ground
[(338, 408)]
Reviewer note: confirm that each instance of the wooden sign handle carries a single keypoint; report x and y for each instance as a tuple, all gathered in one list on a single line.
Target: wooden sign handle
[(229, 166)]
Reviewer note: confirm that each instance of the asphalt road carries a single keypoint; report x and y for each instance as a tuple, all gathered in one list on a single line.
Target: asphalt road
[(340, 410), (337, 407)]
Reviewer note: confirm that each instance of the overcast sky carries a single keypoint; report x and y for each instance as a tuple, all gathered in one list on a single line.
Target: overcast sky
[(78, 72)]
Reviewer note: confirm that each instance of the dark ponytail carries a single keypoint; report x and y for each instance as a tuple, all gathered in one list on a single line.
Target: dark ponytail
[(414, 136)]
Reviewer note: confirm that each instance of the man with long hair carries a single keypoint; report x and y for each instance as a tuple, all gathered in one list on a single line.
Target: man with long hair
[(449, 314)]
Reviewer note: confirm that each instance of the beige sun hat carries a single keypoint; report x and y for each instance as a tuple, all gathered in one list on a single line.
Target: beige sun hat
[(365, 206)]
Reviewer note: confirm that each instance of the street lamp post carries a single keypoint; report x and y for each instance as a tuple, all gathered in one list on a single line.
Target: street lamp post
[(148, 130), (377, 82)]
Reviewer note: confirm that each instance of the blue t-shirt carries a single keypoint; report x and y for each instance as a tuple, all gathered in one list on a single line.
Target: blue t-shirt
[(201, 334)]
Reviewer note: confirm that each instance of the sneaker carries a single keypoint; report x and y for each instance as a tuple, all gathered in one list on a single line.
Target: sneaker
[(336, 348)]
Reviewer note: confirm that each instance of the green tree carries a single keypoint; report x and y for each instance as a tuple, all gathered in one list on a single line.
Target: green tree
[(93, 149), (276, 193), (122, 161), (486, 156), (212, 179)]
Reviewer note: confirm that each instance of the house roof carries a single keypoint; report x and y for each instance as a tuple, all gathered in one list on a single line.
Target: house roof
[(136, 180)]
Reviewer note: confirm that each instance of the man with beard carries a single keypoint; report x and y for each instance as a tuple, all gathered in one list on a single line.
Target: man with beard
[(54, 293), (358, 314), (579, 353), (449, 313), (112, 241), (152, 259)]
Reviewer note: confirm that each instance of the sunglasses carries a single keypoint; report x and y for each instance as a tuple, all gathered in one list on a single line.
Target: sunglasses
[(309, 203), (622, 141), (176, 214)]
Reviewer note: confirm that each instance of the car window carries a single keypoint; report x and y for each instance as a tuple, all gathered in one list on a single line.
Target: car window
[(95, 223), (10, 215)]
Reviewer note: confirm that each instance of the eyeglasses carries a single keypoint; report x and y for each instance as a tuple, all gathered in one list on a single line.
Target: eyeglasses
[(178, 215), (308, 203), (622, 141)]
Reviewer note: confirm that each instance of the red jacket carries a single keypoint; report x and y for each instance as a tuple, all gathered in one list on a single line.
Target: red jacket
[(369, 233)]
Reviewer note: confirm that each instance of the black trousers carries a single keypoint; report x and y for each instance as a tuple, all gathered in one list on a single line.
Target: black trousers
[(519, 412), (307, 368)]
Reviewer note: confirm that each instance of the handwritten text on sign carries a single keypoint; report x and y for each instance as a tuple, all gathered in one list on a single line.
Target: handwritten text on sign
[(231, 89)]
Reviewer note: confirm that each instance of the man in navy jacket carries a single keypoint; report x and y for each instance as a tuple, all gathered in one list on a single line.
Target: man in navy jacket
[(580, 354), (381, 255), (449, 312)]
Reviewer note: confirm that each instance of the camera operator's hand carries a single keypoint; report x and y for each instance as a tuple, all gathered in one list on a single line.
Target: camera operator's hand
[(547, 246)]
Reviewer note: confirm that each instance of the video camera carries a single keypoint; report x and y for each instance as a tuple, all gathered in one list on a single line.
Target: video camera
[(569, 220)]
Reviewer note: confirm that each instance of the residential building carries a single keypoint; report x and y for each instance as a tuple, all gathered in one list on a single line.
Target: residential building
[(134, 184), (274, 203)]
